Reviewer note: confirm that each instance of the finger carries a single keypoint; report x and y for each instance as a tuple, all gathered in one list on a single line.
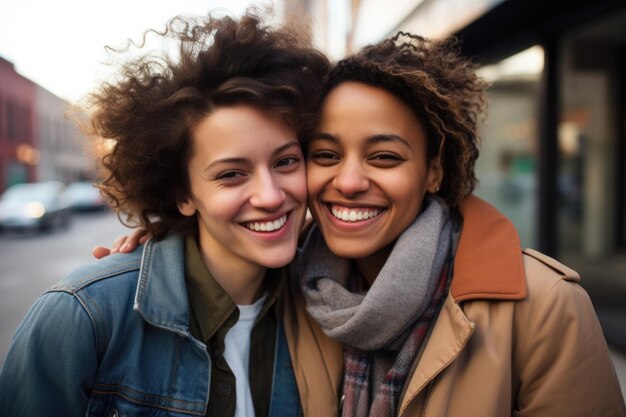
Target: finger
[(100, 252), (132, 241), (118, 243), (144, 238)]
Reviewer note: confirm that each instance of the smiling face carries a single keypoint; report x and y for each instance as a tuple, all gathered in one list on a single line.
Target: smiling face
[(247, 188), (367, 170)]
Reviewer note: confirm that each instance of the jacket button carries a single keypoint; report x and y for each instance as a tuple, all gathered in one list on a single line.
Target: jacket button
[(113, 413), (224, 389)]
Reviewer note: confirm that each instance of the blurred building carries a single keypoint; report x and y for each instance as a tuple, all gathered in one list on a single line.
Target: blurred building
[(553, 156), (37, 142), (62, 147), (18, 148)]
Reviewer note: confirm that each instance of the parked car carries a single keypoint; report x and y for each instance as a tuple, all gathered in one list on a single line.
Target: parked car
[(34, 206), (83, 196)]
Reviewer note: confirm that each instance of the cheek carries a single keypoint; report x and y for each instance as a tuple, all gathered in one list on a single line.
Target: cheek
[(315, 179), (296, 184), (221, 205), (407, 190), (409, 201)]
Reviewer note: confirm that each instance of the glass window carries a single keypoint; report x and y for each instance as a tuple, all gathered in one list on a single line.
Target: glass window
[(590, 138), (507, 167), (592, 155)]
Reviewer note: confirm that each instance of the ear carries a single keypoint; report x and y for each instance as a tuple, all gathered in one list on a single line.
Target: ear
[(186, 207), (434, 176)]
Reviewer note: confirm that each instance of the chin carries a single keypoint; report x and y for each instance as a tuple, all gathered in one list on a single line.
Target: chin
[(275, 264), (350, 250), (278, 260)]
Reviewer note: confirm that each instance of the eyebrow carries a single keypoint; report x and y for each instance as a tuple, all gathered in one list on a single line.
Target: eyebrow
[(371, 140), (276, 152)]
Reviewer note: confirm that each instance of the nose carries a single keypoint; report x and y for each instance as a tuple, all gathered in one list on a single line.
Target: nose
[(267, 193), (351, 178)]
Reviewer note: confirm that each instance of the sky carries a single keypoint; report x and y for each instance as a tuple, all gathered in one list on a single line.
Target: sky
[(59, 44)]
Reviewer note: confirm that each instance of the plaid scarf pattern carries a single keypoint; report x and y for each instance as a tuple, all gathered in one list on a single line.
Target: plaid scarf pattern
[(358, 364)]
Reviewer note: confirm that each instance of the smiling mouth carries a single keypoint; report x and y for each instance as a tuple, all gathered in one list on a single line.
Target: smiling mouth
[(268, 226), (354, 214)]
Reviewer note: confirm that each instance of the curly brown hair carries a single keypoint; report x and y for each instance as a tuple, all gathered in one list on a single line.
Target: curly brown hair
[(151, 109), (442, 89)]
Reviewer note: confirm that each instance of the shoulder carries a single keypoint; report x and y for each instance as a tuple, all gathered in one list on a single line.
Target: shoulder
[(536, 263), (554, 296), (117, 265), (546, 275)]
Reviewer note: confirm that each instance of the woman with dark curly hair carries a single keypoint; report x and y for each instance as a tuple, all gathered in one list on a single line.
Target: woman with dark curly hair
[(209, 144), (441, 311)]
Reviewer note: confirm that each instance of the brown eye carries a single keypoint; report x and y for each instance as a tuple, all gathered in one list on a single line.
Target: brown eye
[(385, 159), (324, 157), (287, 161), (386, 156), (229, 175)]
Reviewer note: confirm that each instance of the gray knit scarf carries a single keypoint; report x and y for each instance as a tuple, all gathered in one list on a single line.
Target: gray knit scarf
[(380, 318)]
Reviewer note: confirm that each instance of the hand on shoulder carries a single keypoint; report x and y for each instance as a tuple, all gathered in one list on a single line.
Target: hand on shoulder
[(123, 244)]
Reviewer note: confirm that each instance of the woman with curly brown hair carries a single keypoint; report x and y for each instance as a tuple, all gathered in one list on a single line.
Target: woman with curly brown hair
[(441, 311), (209, 144)]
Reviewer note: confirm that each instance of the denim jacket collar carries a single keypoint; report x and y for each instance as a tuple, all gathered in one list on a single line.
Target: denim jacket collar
[(161, 296)]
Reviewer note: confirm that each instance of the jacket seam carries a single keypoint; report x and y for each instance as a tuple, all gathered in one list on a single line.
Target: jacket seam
[(111, 388), (92, 316), (554, 267), (143, 274), (489, 296), (163, 407), (94, 277)]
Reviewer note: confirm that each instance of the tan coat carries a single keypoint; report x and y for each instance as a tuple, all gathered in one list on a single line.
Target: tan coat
[(516, 336)]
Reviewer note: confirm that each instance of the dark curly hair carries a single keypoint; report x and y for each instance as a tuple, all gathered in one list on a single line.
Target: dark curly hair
[(442, 89), (152, 107)]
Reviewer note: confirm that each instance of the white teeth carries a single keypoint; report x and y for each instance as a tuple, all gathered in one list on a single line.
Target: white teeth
[(355, 215), (267, 226)]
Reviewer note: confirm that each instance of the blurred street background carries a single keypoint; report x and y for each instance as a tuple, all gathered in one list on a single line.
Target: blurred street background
[(31, 262), (553, 157)]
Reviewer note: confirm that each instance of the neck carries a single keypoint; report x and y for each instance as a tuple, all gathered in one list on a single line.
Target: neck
[(243, 281), (370, 266)]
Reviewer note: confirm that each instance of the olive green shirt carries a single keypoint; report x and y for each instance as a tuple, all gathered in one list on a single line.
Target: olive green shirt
[(212, 314)]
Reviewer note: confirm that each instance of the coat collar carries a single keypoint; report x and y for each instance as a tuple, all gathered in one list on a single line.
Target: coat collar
[(161, 296), (487, 265), (488, 260)]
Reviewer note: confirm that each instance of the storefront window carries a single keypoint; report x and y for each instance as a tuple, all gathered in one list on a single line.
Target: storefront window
[(507, 168), (592, 156), (591, 133)]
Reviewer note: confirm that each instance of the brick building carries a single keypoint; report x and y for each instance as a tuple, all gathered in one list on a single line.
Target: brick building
[(37, 142), (18, 147)]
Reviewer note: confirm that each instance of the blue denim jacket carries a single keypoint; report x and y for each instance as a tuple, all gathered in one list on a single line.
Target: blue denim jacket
[(112, 339)]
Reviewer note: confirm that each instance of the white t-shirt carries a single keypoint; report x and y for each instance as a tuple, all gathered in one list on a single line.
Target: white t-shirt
[(237, 355)]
